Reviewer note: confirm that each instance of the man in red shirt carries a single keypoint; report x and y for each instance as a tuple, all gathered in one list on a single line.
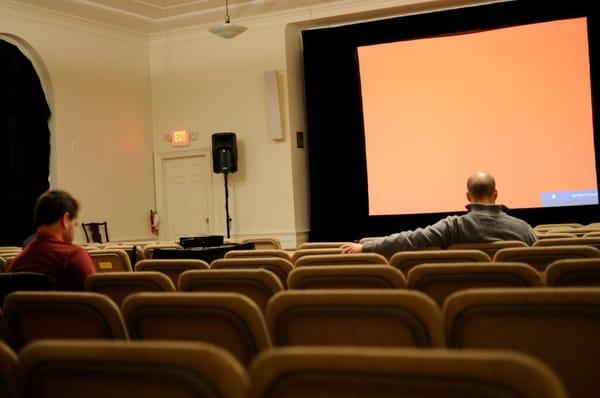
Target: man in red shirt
[(52, 252)]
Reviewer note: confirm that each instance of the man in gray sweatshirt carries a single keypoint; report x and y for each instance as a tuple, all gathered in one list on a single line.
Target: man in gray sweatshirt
[(485, 222)]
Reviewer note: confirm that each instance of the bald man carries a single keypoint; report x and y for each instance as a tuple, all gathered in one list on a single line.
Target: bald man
[(485, 222)]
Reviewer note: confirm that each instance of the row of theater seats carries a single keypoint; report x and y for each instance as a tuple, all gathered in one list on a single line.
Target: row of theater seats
[(60, 369), (560, 327)]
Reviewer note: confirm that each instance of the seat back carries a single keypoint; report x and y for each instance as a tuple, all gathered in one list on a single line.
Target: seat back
[(553, 235), (316, 372), (148, 250), (577, 231), (139, 252), (559, 326), (314, 252), (405, 261), (579, 272), (264, 243), (70, 369), (61, 315), (589, 241), (118, 285), (439, 281), (24, 281), (489, 248), (113, 260), (263, 253), (346, 277), (279, 266), (548, 227), (8, 372), (228, 320), (171, 268), (382, 317), (341, 259), (541, 257), (321, 245), (95, 232), (259, 285)]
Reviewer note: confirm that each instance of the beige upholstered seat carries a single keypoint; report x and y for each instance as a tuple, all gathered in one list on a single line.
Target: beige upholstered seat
[(61, 315), (560, 326), (346, 277), (8, 372), (341, 259), (547, 227), (579, 272), (553, 235), (377, 317), (259, 285), (279, 266), (320, 245), (370, 238), (149, 248), (439, 281), (318, 372), (171, 268), (586, 235), (589, 241), (313, 252), (118, 285), (139, 252), (541, 257), (264, 243), (577, 231), (114, 260), (229, 320), (489, 248), (74, 369), (277, 253), (404, 261)]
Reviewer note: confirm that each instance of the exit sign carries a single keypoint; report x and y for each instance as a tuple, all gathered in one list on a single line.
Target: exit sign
[(180, 138)]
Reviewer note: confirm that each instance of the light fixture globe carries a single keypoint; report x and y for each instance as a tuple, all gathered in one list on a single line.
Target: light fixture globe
[(227, 30)]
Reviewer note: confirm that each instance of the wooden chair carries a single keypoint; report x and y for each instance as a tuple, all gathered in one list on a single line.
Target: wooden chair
[(96, 231), (316, 372), (405, 261), (157, 369), (346, 277), (559, 326)]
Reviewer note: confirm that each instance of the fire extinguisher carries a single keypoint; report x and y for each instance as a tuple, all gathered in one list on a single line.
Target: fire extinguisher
[(154, 222)]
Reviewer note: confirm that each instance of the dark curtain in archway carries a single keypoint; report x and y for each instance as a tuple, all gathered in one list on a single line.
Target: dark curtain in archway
[(24, 144)]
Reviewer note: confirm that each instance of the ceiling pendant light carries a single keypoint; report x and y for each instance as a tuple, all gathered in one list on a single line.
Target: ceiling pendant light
[(227, 30)]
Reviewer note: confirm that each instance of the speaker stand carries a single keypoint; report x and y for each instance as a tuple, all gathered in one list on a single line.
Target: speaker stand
[(227, 218)]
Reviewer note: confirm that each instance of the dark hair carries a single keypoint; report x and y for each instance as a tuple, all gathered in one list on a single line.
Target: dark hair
[(52, 205)]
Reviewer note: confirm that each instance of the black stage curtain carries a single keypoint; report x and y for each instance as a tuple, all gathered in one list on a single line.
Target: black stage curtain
[(336, 146), (24, 144)]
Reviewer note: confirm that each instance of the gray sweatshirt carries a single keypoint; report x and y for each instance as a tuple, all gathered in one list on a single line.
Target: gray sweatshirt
[(483, 223)]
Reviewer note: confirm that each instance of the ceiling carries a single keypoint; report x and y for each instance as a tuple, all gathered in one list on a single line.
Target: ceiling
[(150, 16)]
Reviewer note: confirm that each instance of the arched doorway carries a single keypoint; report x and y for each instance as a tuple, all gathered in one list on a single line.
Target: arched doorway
[(24, 144)]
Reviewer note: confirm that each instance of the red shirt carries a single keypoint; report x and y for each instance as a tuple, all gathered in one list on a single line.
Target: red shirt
[(67, 263)]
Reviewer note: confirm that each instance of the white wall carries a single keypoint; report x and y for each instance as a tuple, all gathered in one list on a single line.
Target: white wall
[(101, 116)]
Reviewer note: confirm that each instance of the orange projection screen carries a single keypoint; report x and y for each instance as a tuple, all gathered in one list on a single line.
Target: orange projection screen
[(515, 102)]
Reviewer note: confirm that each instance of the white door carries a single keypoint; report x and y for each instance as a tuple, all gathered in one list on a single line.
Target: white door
[(186, 197)]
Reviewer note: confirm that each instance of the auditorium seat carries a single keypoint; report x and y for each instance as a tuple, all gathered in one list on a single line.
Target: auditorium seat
[(406, 260), (4, 335), (277, 265), (8, 372), (439, 281), (559, 326), (259, 285), (341, 259), (375, 317), (346, 277), (321, 245), (228, 320), (548, 227), (118, 285), (74, 369), (589, 241), (148, 249), (370, 239), (277, 253), (594, 225), (24, 281), (541, 257), (55, 315), (489, 248), (264, 243), (319, 372), (114, 260), (586, 235), (139, 252), (171, 268), (579, 231), (579, 272), (554, 235), (298, 254), (2, 264)]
